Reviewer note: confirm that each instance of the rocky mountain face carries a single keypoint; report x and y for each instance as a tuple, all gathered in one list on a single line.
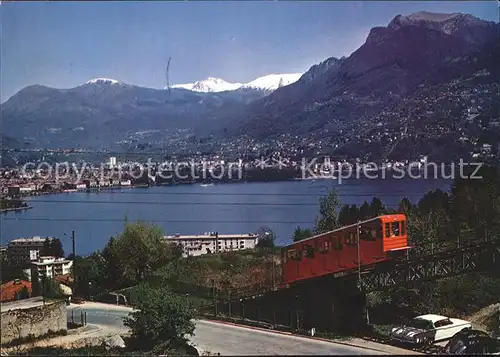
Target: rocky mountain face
[(422, 49)]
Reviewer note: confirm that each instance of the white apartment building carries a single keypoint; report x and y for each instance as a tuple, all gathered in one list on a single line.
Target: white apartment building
[(194, 245), (50, 267)]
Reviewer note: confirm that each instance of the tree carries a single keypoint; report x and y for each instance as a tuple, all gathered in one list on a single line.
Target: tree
[(364, 211), (433, 201), (53, 247), (475, 206), (114, 276), (344, 214), (139, 251), (266, 238), (348, 215), (328, 213), (91, 273), (353, 215), (406, 207), (51, 288), (301, 234), (426, 229), (377, 208), (162, 320)]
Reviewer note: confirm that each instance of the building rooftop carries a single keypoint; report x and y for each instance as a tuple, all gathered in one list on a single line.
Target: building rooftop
[(212, 236), (11, 288), (35, 239), (51, 260)]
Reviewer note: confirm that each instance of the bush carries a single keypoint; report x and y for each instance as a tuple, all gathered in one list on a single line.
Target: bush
[(163, 320)]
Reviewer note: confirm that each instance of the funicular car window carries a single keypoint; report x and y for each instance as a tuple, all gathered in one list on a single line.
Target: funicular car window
[(293, 254), (369, 234), (337, 243), (324, 246), (387, 230), (308, 251), (351, 238), (395, 229)]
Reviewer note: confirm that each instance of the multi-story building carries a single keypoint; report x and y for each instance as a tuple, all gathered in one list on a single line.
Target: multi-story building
[(194, 245), (22, 251), (3, 253), (50, 267)]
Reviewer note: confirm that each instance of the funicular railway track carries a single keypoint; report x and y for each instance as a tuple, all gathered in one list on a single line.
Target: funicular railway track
[(279, 308), (324, 279)]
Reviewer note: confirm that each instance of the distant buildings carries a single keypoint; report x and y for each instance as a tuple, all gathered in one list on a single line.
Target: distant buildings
[(22, 251), (112, 162), (195, 245), (3, 253)]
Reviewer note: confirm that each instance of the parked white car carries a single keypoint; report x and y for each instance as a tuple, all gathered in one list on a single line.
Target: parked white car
[(427, 329)]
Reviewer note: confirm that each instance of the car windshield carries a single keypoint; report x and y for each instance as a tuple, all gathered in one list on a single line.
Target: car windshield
[(421, 324)]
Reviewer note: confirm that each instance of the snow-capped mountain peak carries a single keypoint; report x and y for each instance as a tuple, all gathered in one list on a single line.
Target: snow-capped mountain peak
[(211, 84), (270, 82), (103, 80)]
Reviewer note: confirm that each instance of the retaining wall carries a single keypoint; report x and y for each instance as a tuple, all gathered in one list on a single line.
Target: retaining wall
[(34, 321)]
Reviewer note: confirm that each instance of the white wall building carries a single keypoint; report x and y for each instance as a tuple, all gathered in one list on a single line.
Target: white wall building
[(50, 267), (81, 186), (112, 161), (194, 245), (125, 183)]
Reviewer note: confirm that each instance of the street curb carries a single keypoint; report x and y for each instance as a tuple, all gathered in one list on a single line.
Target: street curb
[(296, 335)]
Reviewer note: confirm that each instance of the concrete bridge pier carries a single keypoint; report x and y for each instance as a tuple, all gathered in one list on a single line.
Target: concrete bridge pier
[(335, 305)]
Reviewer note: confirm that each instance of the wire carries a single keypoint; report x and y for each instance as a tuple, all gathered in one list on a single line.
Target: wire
[(317, 195), (188, 203), (153, 221)]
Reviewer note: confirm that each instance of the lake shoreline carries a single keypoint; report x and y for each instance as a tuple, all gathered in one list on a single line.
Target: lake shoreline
[(17, 209)]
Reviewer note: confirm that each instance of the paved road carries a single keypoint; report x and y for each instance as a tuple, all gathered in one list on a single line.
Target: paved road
[(228, 339), (234, 340), (100, 314)]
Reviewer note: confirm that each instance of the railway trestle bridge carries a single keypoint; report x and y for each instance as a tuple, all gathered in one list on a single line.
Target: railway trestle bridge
[(324, 301)]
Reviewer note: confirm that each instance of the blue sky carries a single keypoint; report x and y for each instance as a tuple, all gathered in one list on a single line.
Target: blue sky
[(64, 44)]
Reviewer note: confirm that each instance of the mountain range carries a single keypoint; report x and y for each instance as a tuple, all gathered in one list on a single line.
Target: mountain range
[(268, 83), (104, 110), (420, 48), (333, 101)]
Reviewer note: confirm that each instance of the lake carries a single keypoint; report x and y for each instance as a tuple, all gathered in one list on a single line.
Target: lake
[(194, 209)]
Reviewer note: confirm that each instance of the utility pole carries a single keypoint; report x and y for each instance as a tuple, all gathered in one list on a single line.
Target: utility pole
[(217, 242), (74, 261), (359, 255), (273, 273)]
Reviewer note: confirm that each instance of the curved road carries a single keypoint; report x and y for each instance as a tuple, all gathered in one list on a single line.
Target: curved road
[(226, 339)]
